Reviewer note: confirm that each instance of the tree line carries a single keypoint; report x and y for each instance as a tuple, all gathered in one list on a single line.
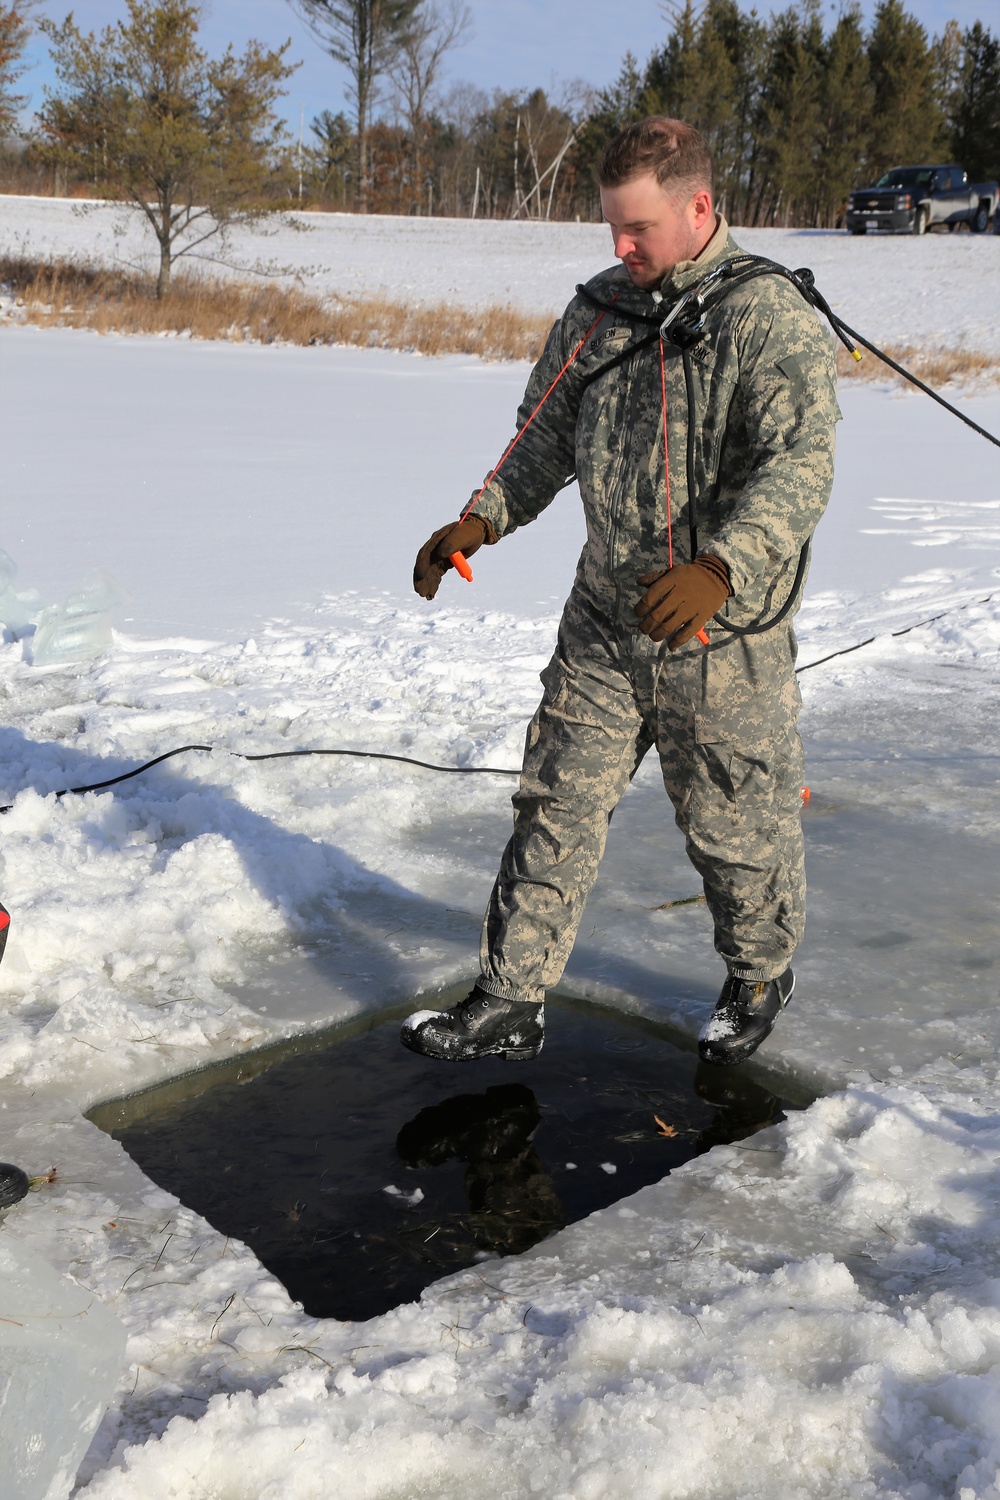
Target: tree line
[(797, 112)]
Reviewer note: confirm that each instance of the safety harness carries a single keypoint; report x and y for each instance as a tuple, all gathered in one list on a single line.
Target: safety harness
[(684, 326)]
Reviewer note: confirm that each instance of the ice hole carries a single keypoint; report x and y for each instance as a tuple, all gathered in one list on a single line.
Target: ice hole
[(359, 1173)]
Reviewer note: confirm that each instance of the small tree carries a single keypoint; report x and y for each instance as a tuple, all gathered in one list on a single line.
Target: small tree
[(15, 29), (364, 36), (152, 120)]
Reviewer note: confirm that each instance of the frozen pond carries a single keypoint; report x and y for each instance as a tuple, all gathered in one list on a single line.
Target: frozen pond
[(833, 1287)]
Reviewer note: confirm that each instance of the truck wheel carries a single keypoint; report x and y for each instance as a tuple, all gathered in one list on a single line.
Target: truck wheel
[(952, 226), (979, 222), (858, 228), (920, 222)]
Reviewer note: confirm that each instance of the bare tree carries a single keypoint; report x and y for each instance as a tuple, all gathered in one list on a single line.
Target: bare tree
[(547, 131), (434, 31), (364, 36)]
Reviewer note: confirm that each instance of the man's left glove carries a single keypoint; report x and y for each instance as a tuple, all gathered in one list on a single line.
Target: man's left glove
[(678, 603), (432, 560)]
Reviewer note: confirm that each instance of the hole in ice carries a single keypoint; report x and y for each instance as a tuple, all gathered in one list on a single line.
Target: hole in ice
[(360, 1173)]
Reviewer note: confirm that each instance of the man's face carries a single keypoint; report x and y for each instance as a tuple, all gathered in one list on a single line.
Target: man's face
[(653, 230)]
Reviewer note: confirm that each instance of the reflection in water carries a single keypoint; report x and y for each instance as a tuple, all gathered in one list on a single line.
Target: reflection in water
[(742, 1107), (512, 1202)]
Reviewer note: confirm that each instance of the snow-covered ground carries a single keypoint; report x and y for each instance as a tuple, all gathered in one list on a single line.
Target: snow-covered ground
[(815, 1314), (936, 291)]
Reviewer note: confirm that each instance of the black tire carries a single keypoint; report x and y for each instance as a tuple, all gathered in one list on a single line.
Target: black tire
[(980, 221), (920, 222), (952, 226), (859, 228)]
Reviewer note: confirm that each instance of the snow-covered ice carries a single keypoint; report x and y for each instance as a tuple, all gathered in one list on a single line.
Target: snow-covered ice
[(813, 1313)]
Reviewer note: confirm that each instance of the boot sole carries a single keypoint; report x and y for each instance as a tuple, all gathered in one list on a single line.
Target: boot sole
[(505, 1054), (730, 1056)]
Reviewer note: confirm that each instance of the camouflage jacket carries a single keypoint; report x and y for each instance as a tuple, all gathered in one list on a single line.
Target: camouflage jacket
[(764, 419)]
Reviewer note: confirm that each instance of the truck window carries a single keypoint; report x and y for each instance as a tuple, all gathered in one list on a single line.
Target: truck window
[(905, 177)]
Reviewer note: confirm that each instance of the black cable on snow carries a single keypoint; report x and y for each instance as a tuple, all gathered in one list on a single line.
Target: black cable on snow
[(427, 765), (893, 634), (405, 760)]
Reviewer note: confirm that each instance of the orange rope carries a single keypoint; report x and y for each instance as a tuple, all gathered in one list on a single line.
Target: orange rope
[(519, 435)]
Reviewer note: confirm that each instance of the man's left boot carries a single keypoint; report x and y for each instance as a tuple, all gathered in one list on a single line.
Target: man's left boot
[(744, 1014), (481, 1025)]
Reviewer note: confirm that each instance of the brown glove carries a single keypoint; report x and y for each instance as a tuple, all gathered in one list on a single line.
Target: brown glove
[(677, 603), (432, 560)]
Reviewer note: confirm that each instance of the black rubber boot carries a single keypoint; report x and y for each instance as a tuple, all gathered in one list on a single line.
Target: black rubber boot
[(744, 1014), (479, 1026)]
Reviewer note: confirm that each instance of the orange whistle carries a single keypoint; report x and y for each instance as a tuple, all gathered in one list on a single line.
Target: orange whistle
[(703, 637), (458, 562)]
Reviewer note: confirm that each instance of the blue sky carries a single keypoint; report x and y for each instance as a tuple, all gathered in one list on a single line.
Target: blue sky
[(516, 43)]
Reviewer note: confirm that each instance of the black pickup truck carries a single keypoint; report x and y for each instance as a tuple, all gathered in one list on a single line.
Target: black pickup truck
[(910, 200)]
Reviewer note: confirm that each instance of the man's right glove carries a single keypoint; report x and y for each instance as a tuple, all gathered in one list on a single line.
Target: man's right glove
[(433, 558), (679, 602)]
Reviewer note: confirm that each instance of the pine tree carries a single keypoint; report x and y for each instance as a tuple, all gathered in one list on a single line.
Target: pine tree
[(674, 83), (15, 29), (791, 114), (726, 30), (845, 116), (907, 123), (976, 138)]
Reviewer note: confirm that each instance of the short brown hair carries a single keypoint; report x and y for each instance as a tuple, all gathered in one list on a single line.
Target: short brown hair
[(676, 154)]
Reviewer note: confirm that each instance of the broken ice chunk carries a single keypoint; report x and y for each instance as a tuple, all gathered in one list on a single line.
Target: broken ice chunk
[(61, 1353)]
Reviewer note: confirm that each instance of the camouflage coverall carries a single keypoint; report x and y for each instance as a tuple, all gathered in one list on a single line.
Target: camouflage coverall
[(722, 718)]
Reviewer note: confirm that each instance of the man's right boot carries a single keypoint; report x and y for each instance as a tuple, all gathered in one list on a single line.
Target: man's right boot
[(481, 1025)]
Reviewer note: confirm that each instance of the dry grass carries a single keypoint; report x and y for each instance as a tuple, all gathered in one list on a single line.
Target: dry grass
[(936, 367), (69, 295), (72, 295)]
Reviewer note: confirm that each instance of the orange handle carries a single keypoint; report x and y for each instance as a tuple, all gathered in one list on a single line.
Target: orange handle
[(458, 562), (703, 637)]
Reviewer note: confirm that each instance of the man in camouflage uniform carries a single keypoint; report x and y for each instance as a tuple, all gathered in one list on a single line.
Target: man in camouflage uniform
[(629, 671)]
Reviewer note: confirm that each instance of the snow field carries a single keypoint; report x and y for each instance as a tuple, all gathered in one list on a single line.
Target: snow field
[(814, 1313), (937, 291)]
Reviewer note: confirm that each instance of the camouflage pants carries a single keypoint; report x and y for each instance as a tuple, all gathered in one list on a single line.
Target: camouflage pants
[(724, 726)]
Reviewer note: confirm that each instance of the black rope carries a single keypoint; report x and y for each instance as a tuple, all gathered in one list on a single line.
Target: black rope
[(760, 625), (745, 268), (990, 438)]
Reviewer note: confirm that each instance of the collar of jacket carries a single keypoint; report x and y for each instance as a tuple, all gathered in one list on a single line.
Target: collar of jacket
[(687, 273)]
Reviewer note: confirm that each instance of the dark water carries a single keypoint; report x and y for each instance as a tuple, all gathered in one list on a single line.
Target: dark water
[(293, 1153)]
